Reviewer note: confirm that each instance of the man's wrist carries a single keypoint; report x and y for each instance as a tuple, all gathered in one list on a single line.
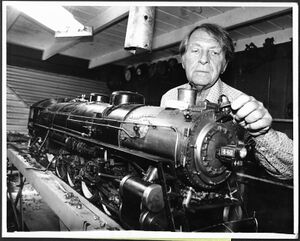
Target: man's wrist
[(262, 141)]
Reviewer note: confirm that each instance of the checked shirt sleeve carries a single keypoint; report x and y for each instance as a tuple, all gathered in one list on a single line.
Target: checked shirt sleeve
[(275, 152)]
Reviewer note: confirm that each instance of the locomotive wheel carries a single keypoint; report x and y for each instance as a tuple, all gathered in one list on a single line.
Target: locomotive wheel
[(73, 172), (70, 179), (232, 213), (235, 212), (104, 208), (61, 169), (89, 192)]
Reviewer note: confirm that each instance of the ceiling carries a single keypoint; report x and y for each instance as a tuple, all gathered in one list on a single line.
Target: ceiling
[(245, 24)]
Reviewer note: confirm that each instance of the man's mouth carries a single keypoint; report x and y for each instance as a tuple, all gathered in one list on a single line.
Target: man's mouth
[(202, 71)]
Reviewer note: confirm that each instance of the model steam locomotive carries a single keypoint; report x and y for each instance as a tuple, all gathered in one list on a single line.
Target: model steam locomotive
[(147, 167)]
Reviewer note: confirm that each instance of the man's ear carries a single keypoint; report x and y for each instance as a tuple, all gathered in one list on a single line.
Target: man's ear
[(224, 68), (183, 61)]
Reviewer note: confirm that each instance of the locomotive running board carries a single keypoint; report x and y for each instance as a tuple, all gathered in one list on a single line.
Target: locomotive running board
[(124, 150), (54, 192)]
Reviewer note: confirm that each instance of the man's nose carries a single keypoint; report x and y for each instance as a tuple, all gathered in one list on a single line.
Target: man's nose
[(204, 57)]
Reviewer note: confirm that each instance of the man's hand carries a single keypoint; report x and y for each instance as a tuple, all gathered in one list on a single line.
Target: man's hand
[(251, 114)]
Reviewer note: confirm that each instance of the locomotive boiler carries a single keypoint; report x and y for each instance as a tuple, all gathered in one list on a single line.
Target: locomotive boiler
[(147, 167)]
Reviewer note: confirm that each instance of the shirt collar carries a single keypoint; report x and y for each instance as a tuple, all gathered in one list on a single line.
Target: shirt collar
[(215, 91), (211, 94)]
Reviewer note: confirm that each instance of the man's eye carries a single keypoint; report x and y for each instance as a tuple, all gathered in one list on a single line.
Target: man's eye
[(194, 50), (215, 53)]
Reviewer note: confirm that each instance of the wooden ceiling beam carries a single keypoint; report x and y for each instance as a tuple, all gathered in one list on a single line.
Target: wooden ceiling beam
[(281, 36), (103, 20), (11, 17), (229, 19)]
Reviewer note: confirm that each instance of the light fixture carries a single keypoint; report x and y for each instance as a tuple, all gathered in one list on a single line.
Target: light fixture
[(55, 17), (140, 27)]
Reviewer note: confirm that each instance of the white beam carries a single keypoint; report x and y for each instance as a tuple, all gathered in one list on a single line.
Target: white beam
[(11, 17), (281, 36), (228, 19), (106, 18), (108, 58)]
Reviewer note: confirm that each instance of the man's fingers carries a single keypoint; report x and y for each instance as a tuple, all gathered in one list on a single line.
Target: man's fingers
[(259, 132), (255, 115), (260, 124), (246, 110), (240, 101)]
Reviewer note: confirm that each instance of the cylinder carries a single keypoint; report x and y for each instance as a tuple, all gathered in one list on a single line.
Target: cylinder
[(150, 194), (187, 96), (139, 31), (95, 97), (126, 97)]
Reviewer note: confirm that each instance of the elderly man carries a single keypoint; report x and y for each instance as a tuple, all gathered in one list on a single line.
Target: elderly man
[(205, 53)]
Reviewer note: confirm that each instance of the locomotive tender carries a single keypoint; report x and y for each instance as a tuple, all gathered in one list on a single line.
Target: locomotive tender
[(147, 167)]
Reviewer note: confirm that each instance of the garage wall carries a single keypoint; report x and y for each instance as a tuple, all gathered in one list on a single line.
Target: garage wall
[(27, 86), (17, 112), (266, 74)]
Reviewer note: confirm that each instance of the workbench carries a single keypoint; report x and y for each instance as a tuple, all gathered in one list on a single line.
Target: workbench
[(80, 216), (53, 192)]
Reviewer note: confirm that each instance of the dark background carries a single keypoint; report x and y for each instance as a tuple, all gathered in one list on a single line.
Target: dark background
[(265, 73)]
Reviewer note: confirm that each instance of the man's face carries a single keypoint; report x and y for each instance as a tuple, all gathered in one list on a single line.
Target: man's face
[(204, 60)]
